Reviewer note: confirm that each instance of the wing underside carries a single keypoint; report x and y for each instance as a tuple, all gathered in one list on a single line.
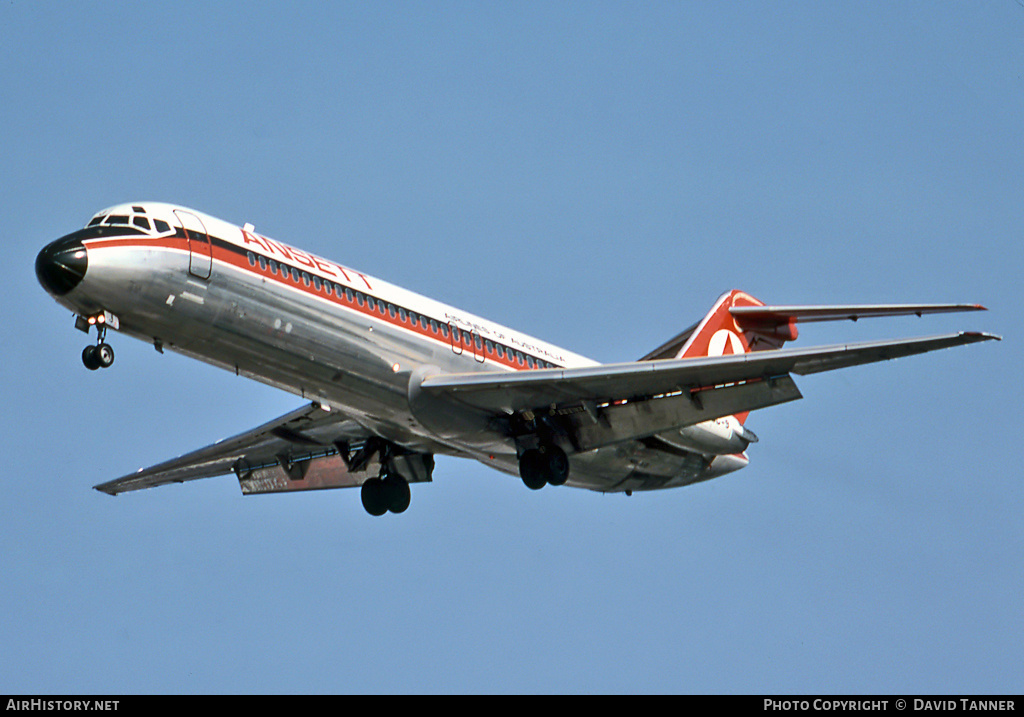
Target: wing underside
[(274, 457)]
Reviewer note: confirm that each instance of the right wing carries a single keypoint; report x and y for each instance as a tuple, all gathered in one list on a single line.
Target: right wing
[(606, 404)]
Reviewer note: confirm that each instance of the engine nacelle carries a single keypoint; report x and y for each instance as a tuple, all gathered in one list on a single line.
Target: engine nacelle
[(720, 437)]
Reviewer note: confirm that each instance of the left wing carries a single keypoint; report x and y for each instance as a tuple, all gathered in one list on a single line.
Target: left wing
[(600, 405), (288, 453)]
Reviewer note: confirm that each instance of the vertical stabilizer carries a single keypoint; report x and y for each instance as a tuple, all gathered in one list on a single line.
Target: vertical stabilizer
[(720, 334)]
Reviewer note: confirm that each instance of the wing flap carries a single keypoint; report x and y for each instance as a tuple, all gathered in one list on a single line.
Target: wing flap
[(619, 422)]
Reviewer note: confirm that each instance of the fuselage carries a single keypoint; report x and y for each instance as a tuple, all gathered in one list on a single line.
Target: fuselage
[(229, 296)]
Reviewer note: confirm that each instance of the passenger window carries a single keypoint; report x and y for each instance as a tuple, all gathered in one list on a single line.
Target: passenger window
[(433, 326), (500, 350), (249, 254), (444, 330)]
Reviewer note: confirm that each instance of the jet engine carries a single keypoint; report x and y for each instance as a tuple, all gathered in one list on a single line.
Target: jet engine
[(720, 437)]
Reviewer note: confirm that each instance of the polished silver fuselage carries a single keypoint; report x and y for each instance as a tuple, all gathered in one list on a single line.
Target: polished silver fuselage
[(263, 310)]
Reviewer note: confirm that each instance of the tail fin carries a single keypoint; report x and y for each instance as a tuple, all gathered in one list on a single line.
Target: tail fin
[(720, 333), (738, 323)]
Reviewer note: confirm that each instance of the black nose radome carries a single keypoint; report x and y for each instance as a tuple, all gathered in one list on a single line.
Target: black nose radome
[(61, 265)]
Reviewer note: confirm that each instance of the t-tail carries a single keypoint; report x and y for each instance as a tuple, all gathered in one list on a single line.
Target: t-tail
[(738, 323), (723, 331)]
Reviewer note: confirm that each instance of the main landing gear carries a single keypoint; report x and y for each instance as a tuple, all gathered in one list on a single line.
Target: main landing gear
[(543, 465), (387, 492), (101, 355)]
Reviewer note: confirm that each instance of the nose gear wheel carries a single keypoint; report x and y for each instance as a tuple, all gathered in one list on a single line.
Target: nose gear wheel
[(101, 355)]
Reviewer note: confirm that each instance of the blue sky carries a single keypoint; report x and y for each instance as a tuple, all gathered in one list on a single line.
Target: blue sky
[(595, 174)]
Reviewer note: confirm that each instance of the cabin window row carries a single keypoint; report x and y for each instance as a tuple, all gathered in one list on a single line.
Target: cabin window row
[(464, 337)]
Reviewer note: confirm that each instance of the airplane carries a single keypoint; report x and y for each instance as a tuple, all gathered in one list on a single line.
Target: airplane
[(390, 379)]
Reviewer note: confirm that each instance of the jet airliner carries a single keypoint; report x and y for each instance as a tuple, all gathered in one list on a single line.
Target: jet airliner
[(389, 379)]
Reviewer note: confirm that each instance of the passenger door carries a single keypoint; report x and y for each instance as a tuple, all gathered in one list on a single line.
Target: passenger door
[(200, 262)]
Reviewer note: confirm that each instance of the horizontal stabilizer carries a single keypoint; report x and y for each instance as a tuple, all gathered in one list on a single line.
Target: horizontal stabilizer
[(776, 315)]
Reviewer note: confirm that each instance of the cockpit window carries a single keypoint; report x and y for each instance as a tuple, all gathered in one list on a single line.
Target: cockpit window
[(161, 225), (117, 219), (96, 220), (141, 222), (140, 210)]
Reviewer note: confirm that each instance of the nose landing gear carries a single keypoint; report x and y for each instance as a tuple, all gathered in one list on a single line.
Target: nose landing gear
[(98, 356), (101, 355)]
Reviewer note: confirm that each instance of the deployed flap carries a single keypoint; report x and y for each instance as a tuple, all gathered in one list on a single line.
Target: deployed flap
[(304, 433), (629, 420), (528, 390)]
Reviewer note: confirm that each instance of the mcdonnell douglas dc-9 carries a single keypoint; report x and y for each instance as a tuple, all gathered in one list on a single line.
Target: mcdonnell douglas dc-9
[(389, 379)]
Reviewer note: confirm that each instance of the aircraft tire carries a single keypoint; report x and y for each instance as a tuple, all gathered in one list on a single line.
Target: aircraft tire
[(374, 496), (532, 465), (398, 493), (557, 465), (90, 359), (105, 355)]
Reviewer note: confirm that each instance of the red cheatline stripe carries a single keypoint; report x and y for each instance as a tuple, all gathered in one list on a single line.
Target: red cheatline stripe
[(236, 256)]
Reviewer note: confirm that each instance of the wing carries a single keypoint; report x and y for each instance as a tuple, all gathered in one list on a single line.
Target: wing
[(282, 449), (605, 404)]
